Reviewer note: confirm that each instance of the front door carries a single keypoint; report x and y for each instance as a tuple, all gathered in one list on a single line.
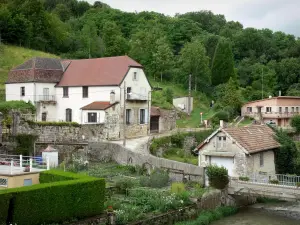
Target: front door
[(46, 94), (44, 116)]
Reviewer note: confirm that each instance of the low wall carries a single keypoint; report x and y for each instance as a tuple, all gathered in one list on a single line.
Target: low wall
[(110, 151)]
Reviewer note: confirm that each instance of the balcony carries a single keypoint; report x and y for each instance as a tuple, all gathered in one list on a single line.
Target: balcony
[(271, 115), (46, 99), (136, 97)]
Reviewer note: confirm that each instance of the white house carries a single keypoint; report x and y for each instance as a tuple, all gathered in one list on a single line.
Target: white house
[(84, 91)]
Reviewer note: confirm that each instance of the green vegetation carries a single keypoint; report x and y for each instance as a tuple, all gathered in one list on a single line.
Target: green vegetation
[(274, 181), (244, 178), (157, 179), (25, 144), (217, 176), (206, 217), (25, 107), (59, 124), (60, 197), (295, 123)]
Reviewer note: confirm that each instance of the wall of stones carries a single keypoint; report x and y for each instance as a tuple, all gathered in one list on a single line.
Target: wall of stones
[(167, 120)]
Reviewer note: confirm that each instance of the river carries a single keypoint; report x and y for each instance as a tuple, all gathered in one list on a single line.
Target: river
[(254, 216)]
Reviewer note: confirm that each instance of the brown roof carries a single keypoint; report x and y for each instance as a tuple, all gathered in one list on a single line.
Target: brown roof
[(98, 106), (37, 70), (155, 111), (254, 138), (97, 72)]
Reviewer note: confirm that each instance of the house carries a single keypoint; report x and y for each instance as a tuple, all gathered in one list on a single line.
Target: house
[(274, 110), (243, 151), (86, 91), (162, 120), (182, 103)]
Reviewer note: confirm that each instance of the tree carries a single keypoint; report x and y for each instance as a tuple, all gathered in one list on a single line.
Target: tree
[(223, 63), (162, 57), (295, 123), (194, 61), (62, 11), (294, 90)]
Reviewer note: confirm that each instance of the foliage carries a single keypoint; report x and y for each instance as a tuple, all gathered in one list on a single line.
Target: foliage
[(4, 209), (58, 175), (177, 187), (244, 178), (274, 181), (21, 106), (286, 155), (25, 144), (157, 179), (123, 184), (169, 95), (298, 184), (7, 121), (79, 198), (58, 124), (295, 123), (206, 217), (217, 176)]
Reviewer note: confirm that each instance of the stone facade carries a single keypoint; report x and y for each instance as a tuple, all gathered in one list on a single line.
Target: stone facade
[(167, 120)]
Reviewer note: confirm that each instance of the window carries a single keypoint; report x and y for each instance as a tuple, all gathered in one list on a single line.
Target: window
[(221, 142), (297, 109), (142, 116), (44, 116), (22, 91), (135, 76), (261, 159), (68, 115), (92, 117), (293, 109), (286, 109), (85, 92), (46, 94), (27, 182), (128, 90), (249, 109), (65, 92), (128, 115), (280, 109), (3, 182), (269, 109)]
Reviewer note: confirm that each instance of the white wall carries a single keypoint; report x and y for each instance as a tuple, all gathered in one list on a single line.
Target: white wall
[(100, 116), (75, 101), (13, 92)]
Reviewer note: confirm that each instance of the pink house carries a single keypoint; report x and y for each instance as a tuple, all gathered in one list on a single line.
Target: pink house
[(276, 110)]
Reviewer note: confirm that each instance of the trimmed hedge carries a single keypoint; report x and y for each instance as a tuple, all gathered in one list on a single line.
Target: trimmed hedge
[(4, 207), (58, 124), (72, 196)]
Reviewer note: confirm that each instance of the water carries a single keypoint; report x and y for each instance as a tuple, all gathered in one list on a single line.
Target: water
[(252, 216)]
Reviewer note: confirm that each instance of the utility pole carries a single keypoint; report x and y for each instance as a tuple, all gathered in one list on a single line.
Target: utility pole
[(262, 83), (124, 116), (190, 89)]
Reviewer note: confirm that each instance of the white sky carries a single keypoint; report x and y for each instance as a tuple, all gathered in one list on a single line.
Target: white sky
[(277, 15)]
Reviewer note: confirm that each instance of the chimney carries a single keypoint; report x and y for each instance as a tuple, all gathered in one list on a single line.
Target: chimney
[(112, 97), (279, 93), (221, 124)]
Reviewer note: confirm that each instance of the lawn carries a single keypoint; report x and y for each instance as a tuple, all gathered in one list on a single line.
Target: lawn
[(246, 122)]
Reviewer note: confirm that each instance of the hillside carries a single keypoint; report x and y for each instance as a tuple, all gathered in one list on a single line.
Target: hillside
[(12, 56)]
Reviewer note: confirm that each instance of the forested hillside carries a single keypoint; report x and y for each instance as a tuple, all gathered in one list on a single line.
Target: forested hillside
[(228, 63)]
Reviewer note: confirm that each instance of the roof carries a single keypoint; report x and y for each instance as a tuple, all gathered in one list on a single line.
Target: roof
[(97, 72), (37, 70), (155, 111), (98, 106), (254, 138), (279, 97)]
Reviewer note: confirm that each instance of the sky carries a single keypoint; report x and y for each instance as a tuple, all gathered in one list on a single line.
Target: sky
[(277, 15)]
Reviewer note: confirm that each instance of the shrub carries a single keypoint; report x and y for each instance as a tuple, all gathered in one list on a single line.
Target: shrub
[(4, 202), (56, 202), (51, 176), (157, 179), (295, 123), (123, 184), (274, 181), (177, 187), (25, 143), (169, 95), (59, 124), (6, 107), (244, 178), (298, 184), (177, 140), (217, 176)]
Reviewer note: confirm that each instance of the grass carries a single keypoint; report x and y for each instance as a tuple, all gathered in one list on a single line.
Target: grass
[(189, 160), (11, 56), (245, 122)]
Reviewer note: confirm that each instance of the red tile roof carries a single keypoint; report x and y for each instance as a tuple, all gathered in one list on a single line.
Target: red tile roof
[(98, 106), (254, 138), (97, 72)]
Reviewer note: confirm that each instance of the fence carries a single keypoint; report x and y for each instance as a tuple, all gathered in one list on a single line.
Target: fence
[(281, 179), (17, 163)]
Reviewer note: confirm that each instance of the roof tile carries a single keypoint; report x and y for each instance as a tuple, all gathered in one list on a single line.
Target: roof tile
[(98, 106)]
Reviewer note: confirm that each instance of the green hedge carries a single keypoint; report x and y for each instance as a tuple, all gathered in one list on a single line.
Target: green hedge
[(4, 205), (58, 124), (72, 196)]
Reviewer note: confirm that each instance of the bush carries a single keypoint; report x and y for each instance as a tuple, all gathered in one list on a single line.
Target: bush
[(244, 178), (217, 176), (58, 124), (177, 140), (274, 181), (4, 203), (123, 184), (51, 176), (295, 123), (298, 184), (177, 187), (56, 202), (24, 107), (157, 179), (169, 95), (25, 143)]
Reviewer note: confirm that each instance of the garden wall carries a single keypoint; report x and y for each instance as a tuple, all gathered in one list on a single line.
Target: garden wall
[(99, 152)]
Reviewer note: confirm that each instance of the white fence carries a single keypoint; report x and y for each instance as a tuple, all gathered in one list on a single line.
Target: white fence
[(17, 163)]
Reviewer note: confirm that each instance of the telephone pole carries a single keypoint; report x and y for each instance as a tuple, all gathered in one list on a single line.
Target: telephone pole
[(189, 100), (124, 116)]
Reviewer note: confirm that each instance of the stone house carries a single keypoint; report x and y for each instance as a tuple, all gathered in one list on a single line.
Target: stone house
[(86, 91), (242, 150), (274, 110), (162, 120)]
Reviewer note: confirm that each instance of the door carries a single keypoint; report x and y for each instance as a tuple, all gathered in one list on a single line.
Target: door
[(44, 116), (154, 124), (46, 94), (225, 162)]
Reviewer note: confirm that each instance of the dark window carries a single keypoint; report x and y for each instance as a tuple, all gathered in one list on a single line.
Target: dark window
[(92, 117), (261, 159), (280, 109), (22, 91), (44, 116), (293, 109), (135, 76), (128, 115), (286, 109), (68, 115), (297, 109), (85, 92), (142, 116), (269, 109), (249, 109), (128, 90), (66, 92)]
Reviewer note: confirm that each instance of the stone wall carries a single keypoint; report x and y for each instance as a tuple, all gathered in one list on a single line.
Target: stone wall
[(167, 120)]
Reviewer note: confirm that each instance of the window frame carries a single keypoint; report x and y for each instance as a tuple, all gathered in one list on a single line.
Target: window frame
[(85, 92), (142, 116), (135, 78), (286, 110), (249, 109), (128, 116), (65, 92), (90, 116), (269, 109), (22, 91), (69, 115), (280, 109)]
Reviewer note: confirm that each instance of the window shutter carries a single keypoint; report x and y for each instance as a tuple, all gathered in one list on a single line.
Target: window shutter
[(146, 116), (131, 119)]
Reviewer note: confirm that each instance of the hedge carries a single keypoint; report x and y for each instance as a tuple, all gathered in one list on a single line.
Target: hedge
[(58, 124), (4, 207), (72, 196)]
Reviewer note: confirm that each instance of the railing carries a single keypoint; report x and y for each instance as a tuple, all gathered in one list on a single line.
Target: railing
[(132, 96), (46, 98), (280, 179), (17, 163), (266, 114)]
